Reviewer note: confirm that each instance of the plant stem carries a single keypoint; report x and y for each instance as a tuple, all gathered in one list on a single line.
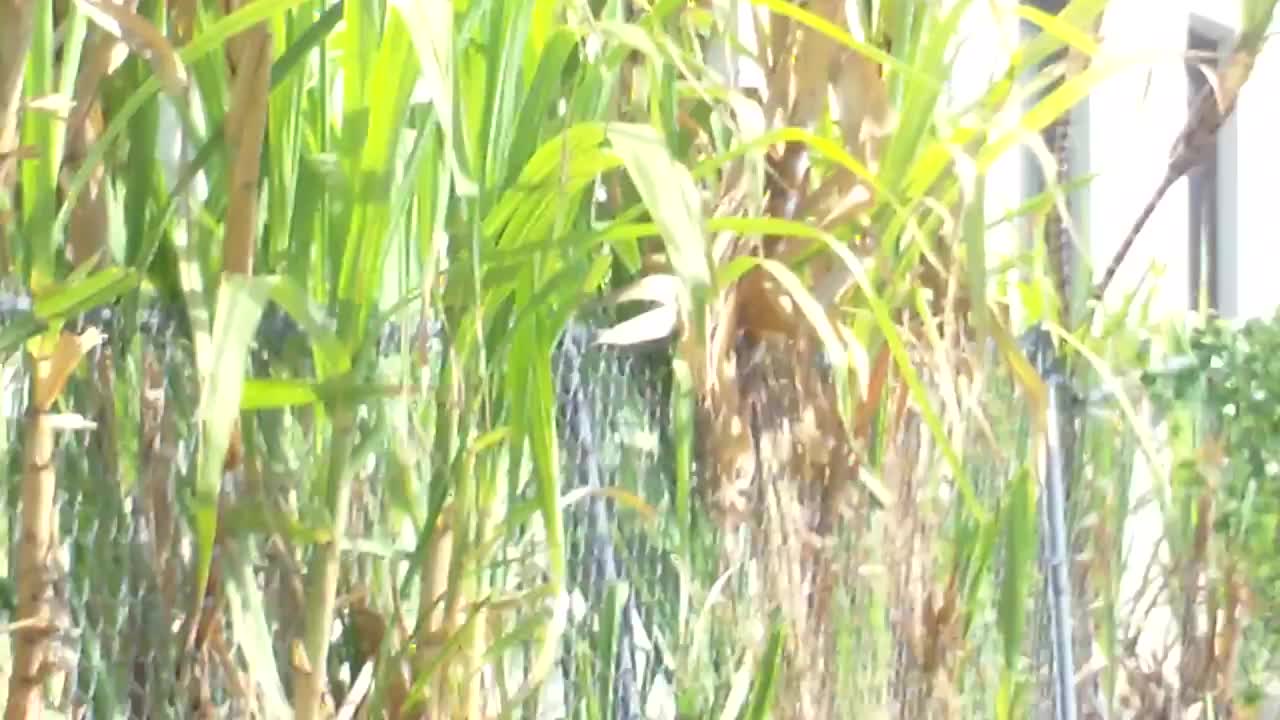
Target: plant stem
[(17, 19), (35, 612), (322, 575)]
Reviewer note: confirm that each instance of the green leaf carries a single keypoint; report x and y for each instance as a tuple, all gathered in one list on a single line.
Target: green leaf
[(18, 330), (332, 358), (669, 192), (373, 133), (975, 243), (766, 680), (273, 393), (1020, 549), (97, 289), (240, 304), (612, 617)]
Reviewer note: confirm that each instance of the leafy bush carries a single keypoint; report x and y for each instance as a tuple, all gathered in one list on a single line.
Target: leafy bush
[(1221, 407)]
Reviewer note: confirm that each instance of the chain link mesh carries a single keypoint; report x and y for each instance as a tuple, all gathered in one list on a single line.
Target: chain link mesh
[(613, 416), (126, 554)]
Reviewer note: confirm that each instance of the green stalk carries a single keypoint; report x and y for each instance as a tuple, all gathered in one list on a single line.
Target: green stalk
[(322, 573)]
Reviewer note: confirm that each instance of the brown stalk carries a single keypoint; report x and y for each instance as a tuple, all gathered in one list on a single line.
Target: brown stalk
[(31, 642), (1194, 571), (53, 361), (158, 445), (435, 620), (159, 456), (1227, 641), (17, 19), (246, 128), (87, 225), (399, 671)]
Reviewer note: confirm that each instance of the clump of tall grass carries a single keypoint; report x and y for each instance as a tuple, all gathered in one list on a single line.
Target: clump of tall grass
[(357, 440)]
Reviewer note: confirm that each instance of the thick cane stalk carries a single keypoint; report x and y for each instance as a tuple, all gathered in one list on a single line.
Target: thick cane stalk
[(323, 573), (31, 646), (33, 631)]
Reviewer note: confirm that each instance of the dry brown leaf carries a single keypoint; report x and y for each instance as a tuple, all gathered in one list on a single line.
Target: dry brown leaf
[(22, 152), (765, 307), (103, 54), (16, 23), (55, 364), (865, 116), (781, 60), (9, 158), (182, 17), (813, 64), (841, 199), (143, 38), (87, 228), (246, 129), (298, 657)]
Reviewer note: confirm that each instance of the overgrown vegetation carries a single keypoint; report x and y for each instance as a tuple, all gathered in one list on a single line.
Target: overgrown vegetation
[(330, 394), (1218, 410)]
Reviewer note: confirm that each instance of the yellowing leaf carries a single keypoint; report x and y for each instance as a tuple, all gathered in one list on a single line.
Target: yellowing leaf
[(832, 342), (56, 360), (619, 495), (1025, 375)]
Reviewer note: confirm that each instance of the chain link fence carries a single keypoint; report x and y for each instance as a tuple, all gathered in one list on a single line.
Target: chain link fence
[(126, 553), (655, 624), (614, 418)]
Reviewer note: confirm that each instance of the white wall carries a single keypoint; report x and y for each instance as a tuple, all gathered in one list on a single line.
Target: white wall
[(1134, 119), (1126, 130)]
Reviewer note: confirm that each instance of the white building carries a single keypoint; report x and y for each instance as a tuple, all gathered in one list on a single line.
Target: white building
[(1212, 237), (1212, 231)]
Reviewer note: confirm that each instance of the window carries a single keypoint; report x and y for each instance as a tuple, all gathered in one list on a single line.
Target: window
[(1203, 219)]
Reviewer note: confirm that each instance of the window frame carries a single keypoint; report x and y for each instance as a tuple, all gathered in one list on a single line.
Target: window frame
[(1216, 178)]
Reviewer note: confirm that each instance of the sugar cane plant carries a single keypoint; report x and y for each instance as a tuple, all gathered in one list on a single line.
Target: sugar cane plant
[(295, 284)]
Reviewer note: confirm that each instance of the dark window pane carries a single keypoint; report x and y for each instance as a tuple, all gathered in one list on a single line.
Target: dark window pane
[(1050, 6), (1202, 230)]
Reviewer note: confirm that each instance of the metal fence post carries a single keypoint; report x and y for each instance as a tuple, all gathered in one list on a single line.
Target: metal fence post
[(1057, 549)]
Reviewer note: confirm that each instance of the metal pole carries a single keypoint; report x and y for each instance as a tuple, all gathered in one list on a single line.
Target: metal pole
[(1038, 345), (1058, 560)]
